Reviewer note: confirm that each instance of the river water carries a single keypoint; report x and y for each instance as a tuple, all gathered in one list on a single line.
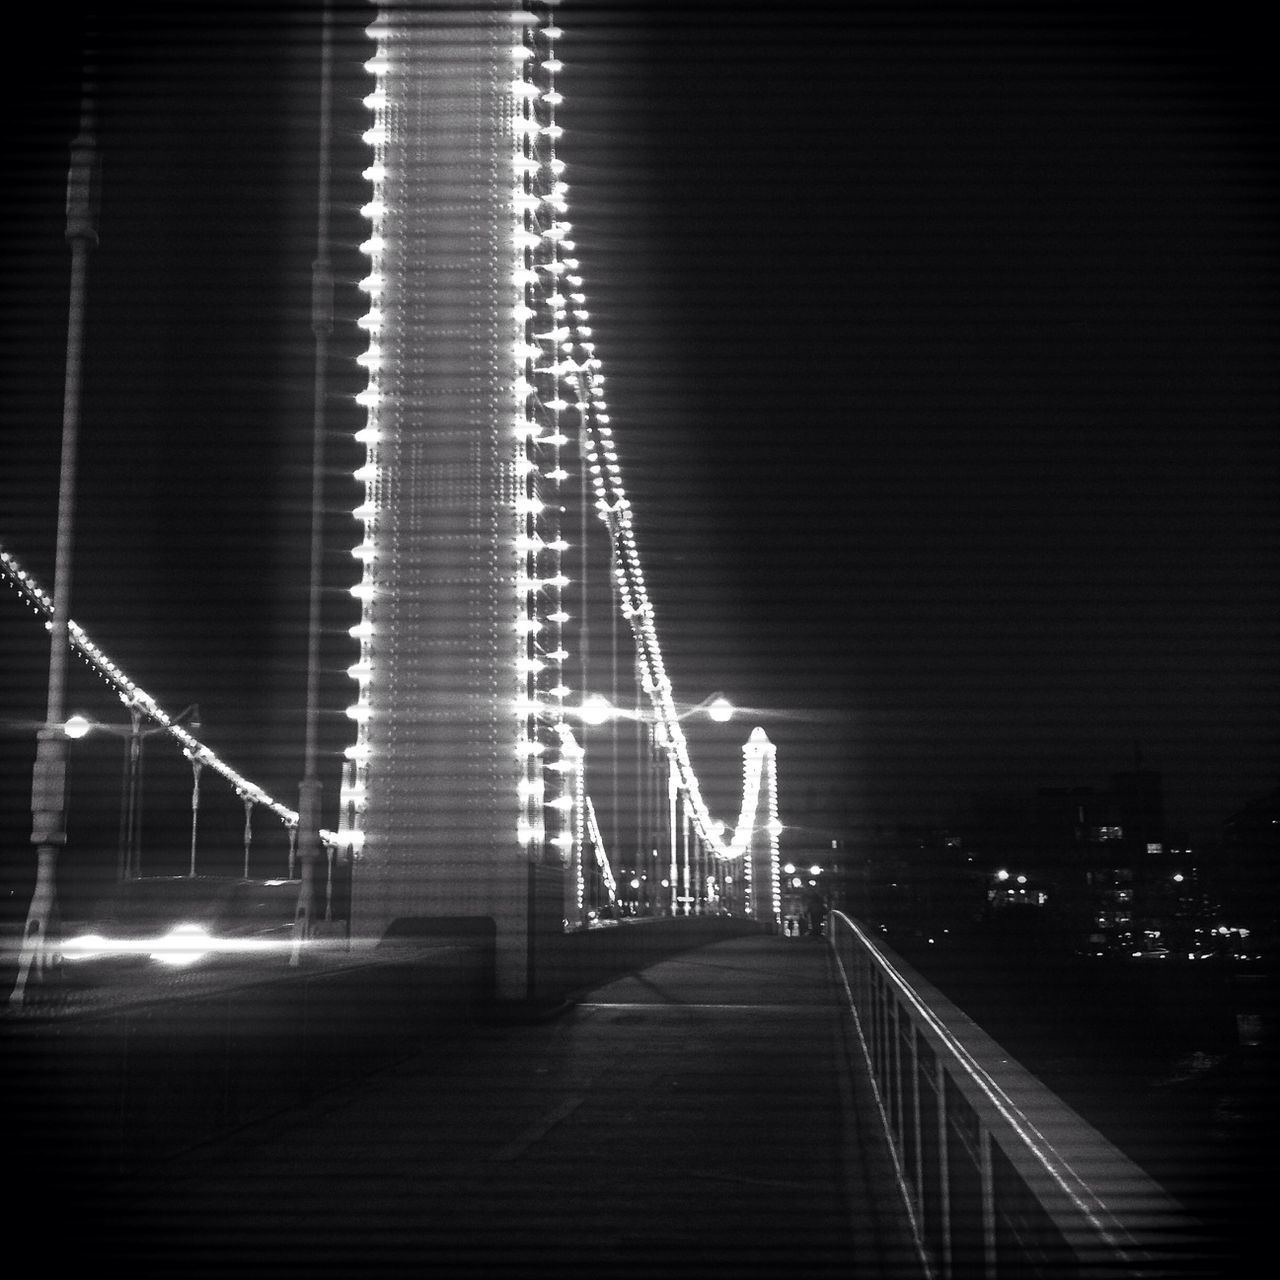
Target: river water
[(1176, 1065)]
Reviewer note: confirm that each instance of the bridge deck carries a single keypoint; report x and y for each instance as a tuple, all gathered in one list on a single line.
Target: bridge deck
[(696, 1117)]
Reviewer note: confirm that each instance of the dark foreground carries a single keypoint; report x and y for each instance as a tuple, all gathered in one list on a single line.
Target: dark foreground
[(693, 1119)]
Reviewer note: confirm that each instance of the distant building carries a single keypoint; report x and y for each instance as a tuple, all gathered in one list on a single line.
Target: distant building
[(1110, 878), (909, 879), (1089, 870), (1250, 868), (1093, 870)]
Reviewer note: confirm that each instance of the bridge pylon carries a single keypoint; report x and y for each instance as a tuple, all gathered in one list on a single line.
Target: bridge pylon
[(449, 758)]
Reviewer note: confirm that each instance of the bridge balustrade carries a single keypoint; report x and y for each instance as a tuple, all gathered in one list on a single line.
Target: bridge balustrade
[(1000, 1177)]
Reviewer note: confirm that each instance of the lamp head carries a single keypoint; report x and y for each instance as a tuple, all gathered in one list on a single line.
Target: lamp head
[(596, 710), (77, 727)]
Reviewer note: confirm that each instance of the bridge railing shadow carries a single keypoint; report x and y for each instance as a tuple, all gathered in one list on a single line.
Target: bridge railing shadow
[(1001, 1177)]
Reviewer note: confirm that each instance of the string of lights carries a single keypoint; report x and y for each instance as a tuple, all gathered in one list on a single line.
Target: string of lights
[(133, 695), (602, 856), (537, 310), (578, 365)]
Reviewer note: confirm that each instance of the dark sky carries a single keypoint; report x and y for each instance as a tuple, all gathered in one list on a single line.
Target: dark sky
[(958, 332), (940, 346)]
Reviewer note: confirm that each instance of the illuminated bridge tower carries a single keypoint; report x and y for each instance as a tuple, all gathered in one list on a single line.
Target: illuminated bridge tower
[(453, 775)]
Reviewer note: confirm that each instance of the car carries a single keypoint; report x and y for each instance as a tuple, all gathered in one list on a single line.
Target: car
[(179, 921)]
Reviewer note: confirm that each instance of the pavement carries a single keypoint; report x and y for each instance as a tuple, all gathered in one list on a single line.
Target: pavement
[(698, 1118)]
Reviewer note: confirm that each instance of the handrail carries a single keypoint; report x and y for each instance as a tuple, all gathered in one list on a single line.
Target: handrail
[(1001, 1177)]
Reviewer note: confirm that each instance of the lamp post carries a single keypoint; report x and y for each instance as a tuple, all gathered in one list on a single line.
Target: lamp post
[(596, 710), (129, 851), (197, 763), (49, 773)]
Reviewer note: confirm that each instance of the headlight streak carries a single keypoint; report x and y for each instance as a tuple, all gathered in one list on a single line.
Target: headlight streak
[(182, 945)]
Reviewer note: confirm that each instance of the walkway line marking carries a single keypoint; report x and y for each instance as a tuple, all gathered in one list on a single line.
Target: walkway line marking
[(757, 1008), (538, 1129), (788, 1183)]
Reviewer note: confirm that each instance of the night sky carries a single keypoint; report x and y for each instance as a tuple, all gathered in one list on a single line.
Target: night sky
[(940, 355), (954, 333)]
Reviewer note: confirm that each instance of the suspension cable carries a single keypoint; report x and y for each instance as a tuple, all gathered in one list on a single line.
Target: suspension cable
[(135, 697)]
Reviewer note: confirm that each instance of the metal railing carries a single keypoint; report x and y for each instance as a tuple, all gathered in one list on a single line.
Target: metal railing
[(1000, 1177)]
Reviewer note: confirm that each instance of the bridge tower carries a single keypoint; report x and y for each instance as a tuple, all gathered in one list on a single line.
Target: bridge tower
[(463, 781), (448, 762)]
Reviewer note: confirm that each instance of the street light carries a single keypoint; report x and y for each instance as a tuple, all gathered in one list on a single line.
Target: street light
[(49, 771), (77, 727), (595, 710), (128, 862)]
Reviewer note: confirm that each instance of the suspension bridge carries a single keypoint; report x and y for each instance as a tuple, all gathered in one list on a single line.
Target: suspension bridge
[(492, 482)]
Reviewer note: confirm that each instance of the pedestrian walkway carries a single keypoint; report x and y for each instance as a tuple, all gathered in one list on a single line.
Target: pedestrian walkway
[(693, 1119)]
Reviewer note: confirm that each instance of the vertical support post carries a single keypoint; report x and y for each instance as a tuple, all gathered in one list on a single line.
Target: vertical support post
[(706, 880), (646, 863), (49, 773), (122, 840), (913, 1137), (196, 765), (328, 882), (673, 798), (648, 796), (129, 795), (137, 765), (988, 1203), (133, 846), (944, 1173), (248, 830), (695, 873), (893, 1068), (614, 841), (686, 877)]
